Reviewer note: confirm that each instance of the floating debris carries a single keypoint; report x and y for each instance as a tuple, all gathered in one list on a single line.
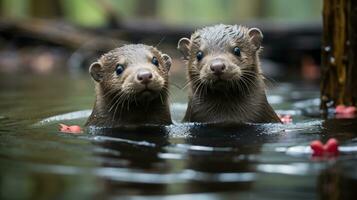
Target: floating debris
[(330, 149), (70, 129), (343, 111), (286, 119)]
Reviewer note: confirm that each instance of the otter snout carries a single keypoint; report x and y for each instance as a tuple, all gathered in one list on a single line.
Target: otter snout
[(144, 79), (144, 76), (217, 67), (220, 68)]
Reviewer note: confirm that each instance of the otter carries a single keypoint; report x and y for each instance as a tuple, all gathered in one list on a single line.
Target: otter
[(224, 76), (131, 84)]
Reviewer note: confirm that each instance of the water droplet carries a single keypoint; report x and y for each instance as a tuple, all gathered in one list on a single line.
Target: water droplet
[(330, 104), (327, 48), (332, 60)]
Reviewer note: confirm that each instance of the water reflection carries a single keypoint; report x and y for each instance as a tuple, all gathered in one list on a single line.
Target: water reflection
[(336, 182), (135, 167), (223, 156), (209, 157), (184, 160)]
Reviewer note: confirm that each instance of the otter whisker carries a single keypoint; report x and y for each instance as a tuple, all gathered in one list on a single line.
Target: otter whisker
[(116, 98), (115, 110), (162, 39), (245, 85), (121, 108), (110, 91), (198, 91), (119, 101), (177, 86), (166, 94), (162, 101), (128, 102), (136, 103), (186, 84), (250, 78)]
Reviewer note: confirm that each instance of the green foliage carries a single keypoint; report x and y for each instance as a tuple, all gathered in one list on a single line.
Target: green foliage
[(14, 8), (83, 12), (295, 10), (182, 12)]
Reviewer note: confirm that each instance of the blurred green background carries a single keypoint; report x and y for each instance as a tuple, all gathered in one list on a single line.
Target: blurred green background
[(170, 12), (43, 35)]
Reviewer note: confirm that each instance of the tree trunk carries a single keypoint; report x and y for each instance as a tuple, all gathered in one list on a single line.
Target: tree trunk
[(339, 70)]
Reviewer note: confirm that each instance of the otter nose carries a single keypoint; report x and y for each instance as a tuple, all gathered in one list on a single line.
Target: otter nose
[(218, 67), (144, 76)]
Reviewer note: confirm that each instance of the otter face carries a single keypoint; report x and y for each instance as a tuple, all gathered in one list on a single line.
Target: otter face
[(222, 54), (138, 71)]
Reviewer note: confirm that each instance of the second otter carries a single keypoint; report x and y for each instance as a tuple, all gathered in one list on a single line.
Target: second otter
[(131, 87), (226, 82)]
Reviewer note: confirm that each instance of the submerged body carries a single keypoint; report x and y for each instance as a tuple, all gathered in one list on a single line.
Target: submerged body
[(131, 87), (225, 78)]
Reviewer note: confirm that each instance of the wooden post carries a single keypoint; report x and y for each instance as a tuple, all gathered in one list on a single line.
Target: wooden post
[(352, 54), (339, 58)]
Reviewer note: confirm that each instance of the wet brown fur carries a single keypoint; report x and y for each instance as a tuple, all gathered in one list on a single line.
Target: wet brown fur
[(118, 99), (241, 97)]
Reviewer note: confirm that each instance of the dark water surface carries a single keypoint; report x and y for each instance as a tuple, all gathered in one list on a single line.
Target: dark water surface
[(182, 161)]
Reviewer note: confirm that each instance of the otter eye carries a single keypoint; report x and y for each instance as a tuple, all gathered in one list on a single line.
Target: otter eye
[(236, 51), (119, 69), (155, 61), (199, 55)]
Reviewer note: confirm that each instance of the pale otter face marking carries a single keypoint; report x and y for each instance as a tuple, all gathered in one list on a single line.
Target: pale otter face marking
[(222, 54), (133, 70)]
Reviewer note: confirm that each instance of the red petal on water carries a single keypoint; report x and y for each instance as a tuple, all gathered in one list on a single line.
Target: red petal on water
[(317, 148), (340, 109), (350, 110), (331, 146), (345, 112), (327, 151), (63, 127), (75, 129), (70, 129), (285, 118)]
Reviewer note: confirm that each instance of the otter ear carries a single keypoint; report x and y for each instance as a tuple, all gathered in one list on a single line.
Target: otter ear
[(256, 37), (184, 47), (167, 61), (96, 71)]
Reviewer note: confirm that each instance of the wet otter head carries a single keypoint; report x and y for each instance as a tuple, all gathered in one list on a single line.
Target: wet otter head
[(222, 56), (226, 83), (132, 73), (131, 87)]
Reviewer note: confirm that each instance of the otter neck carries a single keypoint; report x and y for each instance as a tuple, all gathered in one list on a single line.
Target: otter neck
[(234, 106), (240, 90), (117, 113)]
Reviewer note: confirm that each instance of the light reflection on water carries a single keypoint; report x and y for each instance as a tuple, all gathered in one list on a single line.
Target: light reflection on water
[(181, 161)]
